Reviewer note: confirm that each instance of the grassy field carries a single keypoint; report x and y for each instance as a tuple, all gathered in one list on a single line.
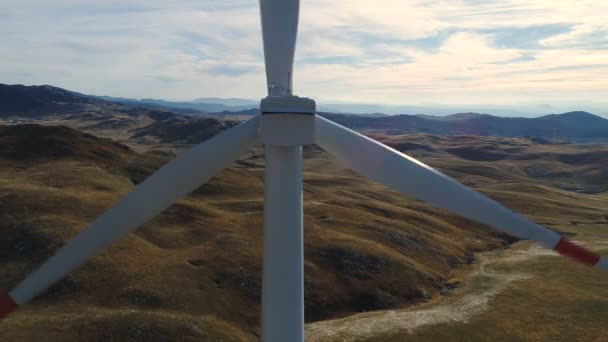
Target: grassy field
[(523, 293), (519, 294), (194, 272)]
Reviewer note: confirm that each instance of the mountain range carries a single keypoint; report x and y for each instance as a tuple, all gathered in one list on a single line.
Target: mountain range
[(575, 126), (578, 126), (202, 105)]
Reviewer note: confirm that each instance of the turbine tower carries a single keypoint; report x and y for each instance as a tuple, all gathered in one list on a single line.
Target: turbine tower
[(286, 123)]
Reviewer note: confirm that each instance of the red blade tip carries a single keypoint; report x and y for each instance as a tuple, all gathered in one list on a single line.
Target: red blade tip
[(7, 305), (579, 253)]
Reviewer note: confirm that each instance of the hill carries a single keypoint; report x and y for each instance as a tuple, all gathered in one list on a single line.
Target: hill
[(479, 160), (36, 144), (32, 100), (182, 129)]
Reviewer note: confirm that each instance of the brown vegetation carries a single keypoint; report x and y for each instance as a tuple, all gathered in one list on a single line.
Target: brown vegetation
[(194, 272)]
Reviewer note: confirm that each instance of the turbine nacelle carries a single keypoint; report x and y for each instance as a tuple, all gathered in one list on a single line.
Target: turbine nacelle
[(287, 121)]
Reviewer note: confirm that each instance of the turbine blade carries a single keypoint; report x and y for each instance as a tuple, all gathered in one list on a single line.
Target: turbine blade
[(413, 178), (155, 194), (279, 32)]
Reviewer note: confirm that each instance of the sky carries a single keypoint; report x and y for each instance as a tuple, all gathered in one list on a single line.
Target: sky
[(537, 56)]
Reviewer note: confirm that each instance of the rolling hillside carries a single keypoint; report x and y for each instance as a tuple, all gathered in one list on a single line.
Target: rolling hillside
[(366, 248), (194, 272), (484, 160)]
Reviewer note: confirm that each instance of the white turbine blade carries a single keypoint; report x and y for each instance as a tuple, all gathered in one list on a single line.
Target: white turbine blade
[(155, 194), (411, 177), (279, 31)]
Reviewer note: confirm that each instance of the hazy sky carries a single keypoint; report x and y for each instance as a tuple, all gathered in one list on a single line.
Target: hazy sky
[(539, 53)]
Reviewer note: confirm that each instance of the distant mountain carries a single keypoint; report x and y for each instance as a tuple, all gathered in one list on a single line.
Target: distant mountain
[(157, 104), (574, 119), (32, 101), (571, 125), (246, 112), (430, 109), (452, 117), (187, 107), (227, 102)]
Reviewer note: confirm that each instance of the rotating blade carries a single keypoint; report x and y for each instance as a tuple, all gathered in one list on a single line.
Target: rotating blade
[(413, 178), (155, 194), (279, 32)]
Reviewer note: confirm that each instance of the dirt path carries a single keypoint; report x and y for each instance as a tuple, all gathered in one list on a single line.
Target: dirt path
[(483, 284)]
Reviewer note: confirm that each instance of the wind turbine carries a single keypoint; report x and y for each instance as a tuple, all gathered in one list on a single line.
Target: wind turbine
[(285, 124)]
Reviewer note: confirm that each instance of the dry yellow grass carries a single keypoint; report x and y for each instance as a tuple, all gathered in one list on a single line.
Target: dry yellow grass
[(197, 267), (529, 296)]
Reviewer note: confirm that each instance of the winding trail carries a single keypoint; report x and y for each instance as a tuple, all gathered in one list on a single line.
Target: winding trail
[(483, 284)]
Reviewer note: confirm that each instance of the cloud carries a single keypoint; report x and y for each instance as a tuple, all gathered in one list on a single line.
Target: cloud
[(390, 51), (587, 36)]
